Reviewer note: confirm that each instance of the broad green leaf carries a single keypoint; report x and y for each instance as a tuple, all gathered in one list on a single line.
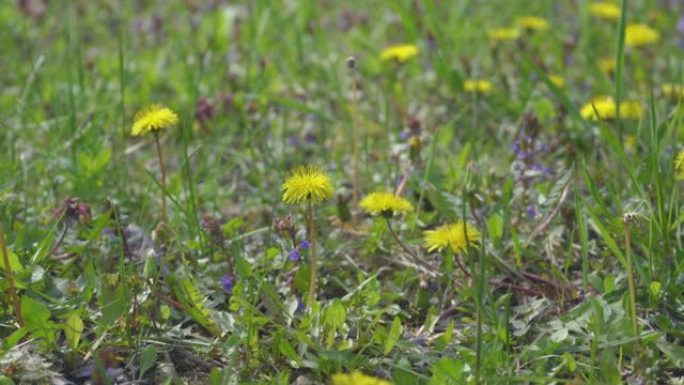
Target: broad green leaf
[(219, 376), (93, 165), (334, 316), (495, 227), (232, 226), (394, 335), (286, 349), (147, 359), (189, 296), (115, 308), (14, 338), (37, 321), (73, 329), (447, 371), (609, 283), (570, 361), (14, 262), (243, 267), (34, 313), (445, 339), (301, 278), (674, 353)]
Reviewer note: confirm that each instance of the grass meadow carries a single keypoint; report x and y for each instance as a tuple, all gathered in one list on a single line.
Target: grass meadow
[(341, 192)]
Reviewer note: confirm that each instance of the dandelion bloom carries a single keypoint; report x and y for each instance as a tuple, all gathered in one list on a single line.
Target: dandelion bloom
[(152, 119), (604, 107), (532, 23), (675, 91), (400, 53), (478, 85), (601, 107), (630, 109), (503, 34), (458, 236), (640, 35), (606, 11), (357, 378), (307, 183), (385, 204), (607, 64), (679, 165)]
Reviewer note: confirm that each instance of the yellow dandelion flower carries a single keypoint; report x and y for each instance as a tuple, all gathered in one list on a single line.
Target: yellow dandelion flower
[(607, 11), (478, 85), (607, 65), (458, 236), (640, 35), (604, 107), (497, 35), (675, 91), (630, 109), (153, 118), (557, 80), (400, 53), (601, 107), (307, 183), (679, 165), (357, 378), (532, 23), (385, 203)]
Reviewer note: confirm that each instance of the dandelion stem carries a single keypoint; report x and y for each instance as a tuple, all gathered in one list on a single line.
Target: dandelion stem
[(630, 282), (162, 168), (312, 241), (398, 240), (479, 303), (355, 149), (460, 266), (413, 255), (11, 290)]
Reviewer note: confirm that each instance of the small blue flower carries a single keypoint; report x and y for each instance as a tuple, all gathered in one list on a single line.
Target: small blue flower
[(304, 245), (227, 283), (300, 306), (294, 254)]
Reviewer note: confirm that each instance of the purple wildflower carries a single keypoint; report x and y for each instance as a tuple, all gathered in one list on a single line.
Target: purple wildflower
[(310, 138), (227, 283), (294, 141), (300, 306), (568, 59), (680, 25), (294, 254), (204, 110)]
